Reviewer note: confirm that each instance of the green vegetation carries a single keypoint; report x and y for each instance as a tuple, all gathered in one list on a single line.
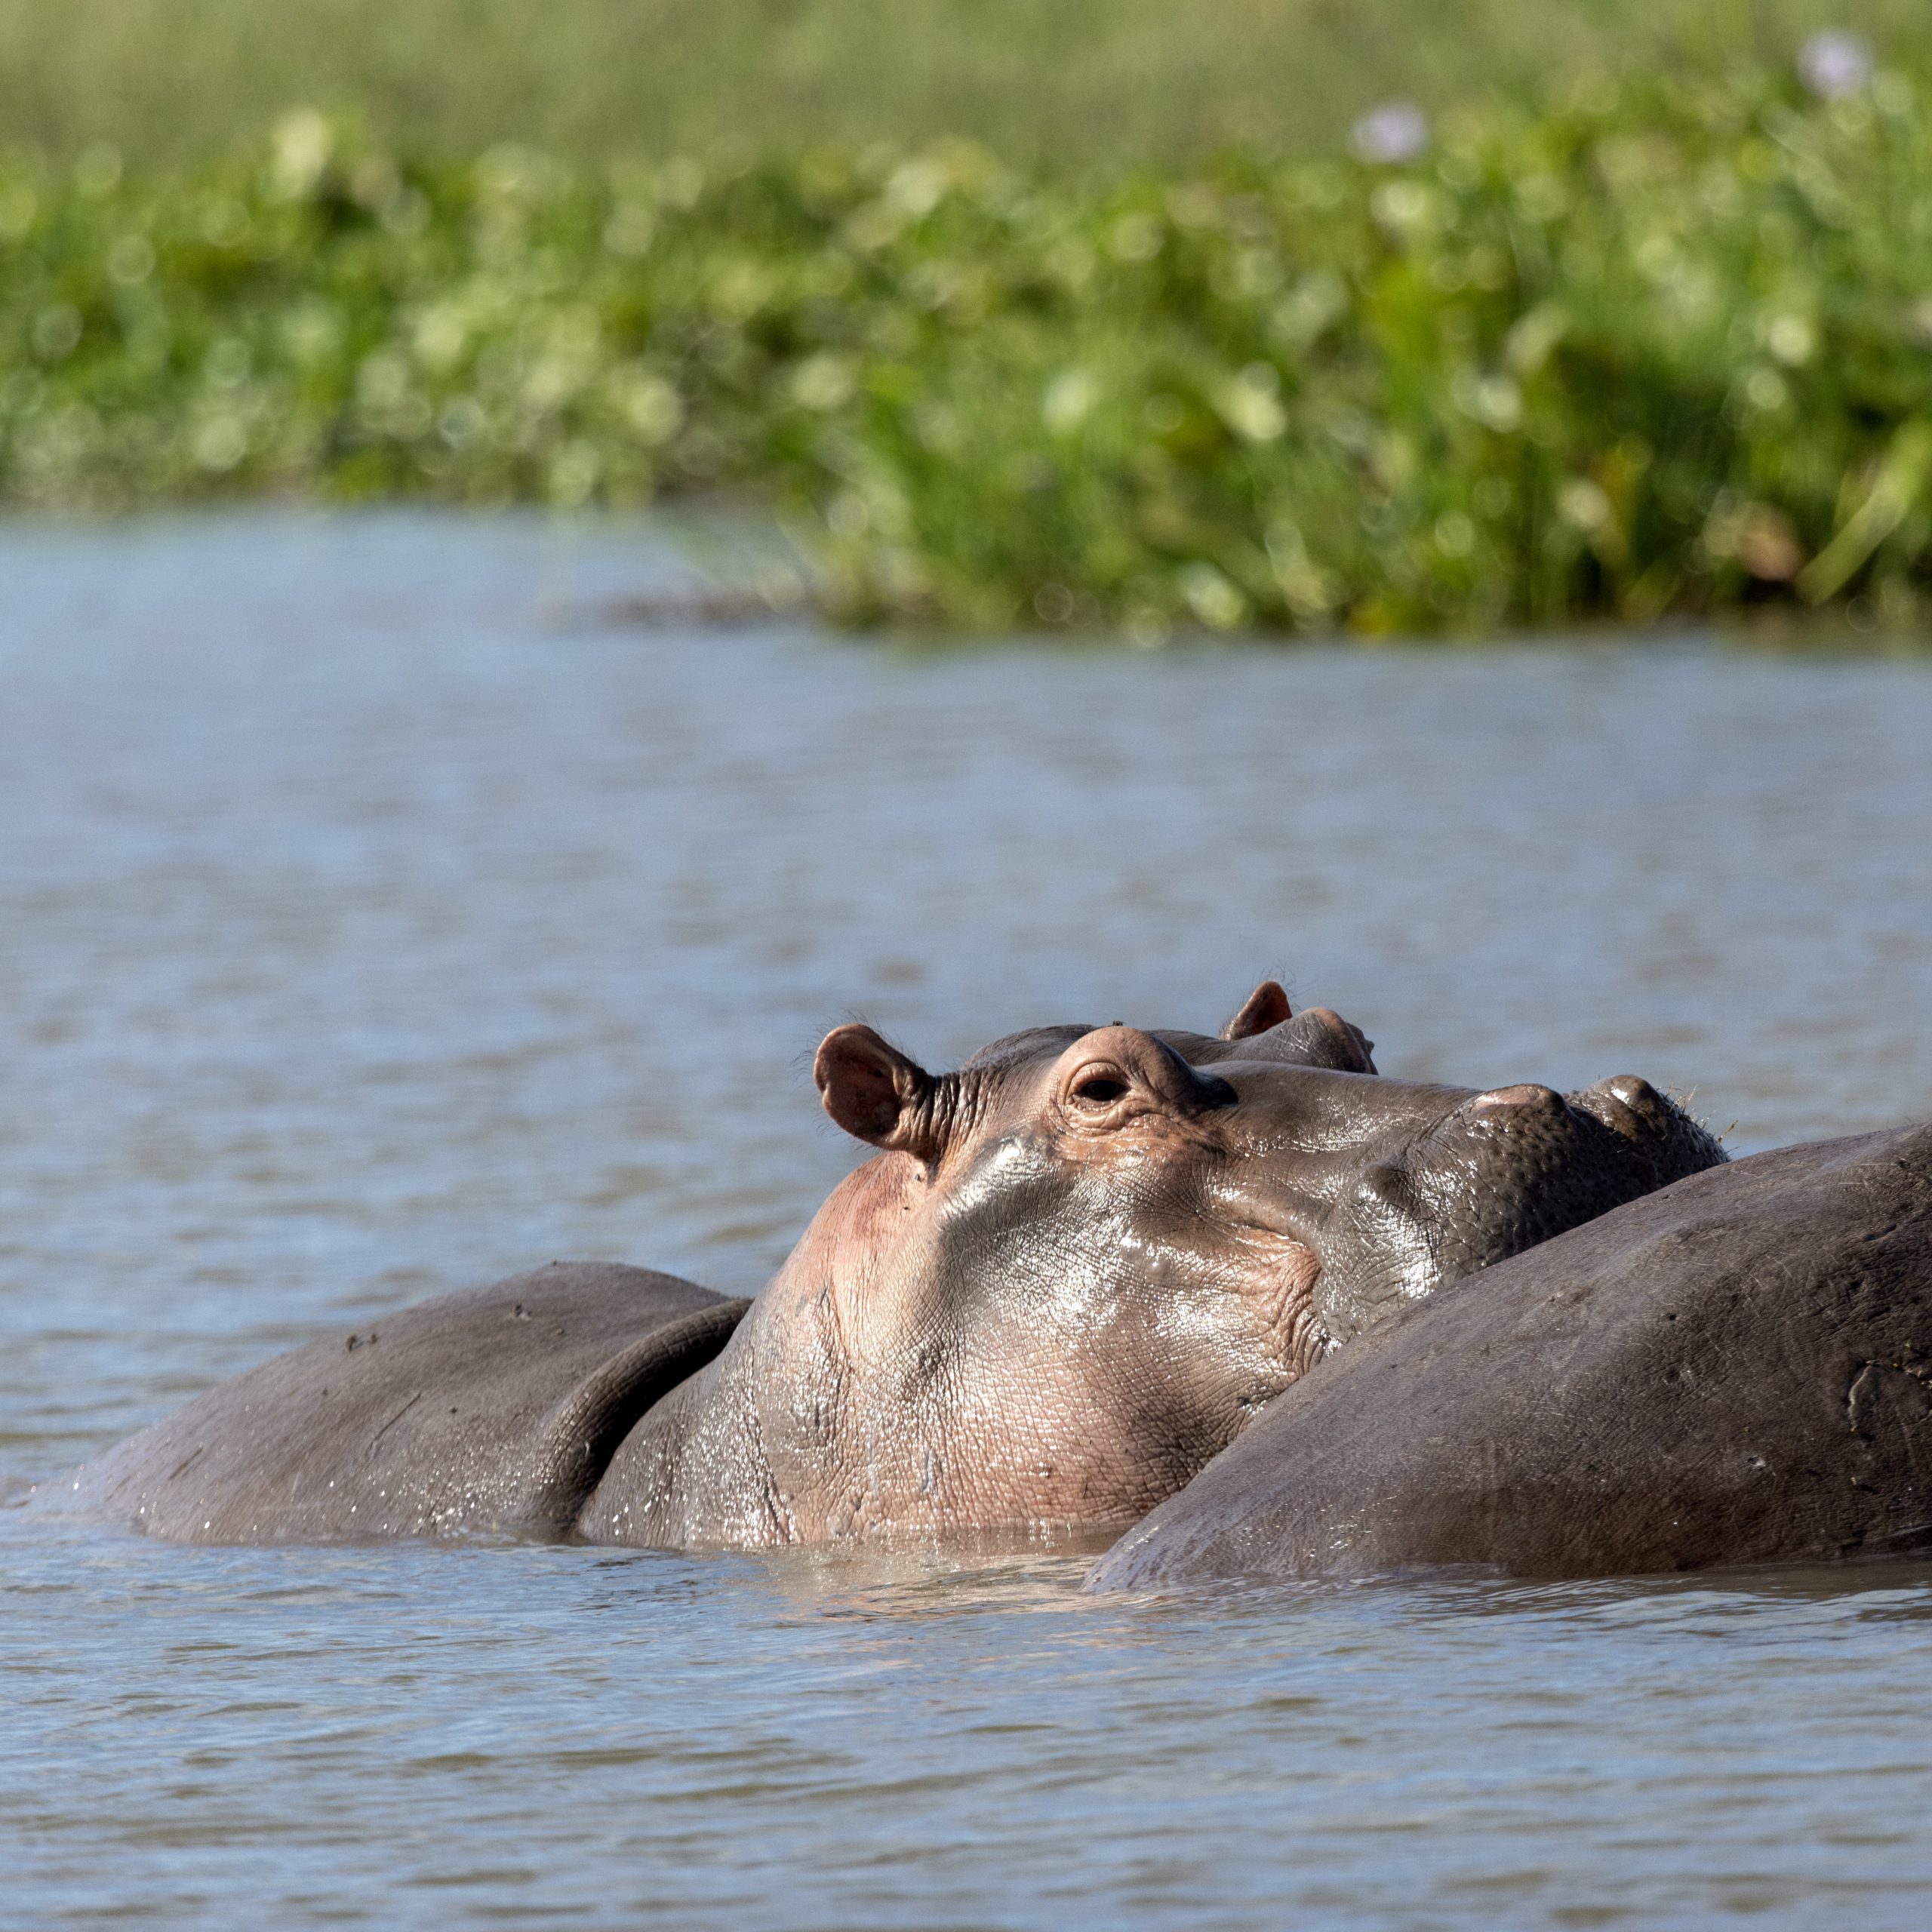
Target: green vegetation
[(1649, 348), (1061, 83)]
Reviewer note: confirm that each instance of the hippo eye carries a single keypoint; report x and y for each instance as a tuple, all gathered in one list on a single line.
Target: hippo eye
[(1100, 1090)]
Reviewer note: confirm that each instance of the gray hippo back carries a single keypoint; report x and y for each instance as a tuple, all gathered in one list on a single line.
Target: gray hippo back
[(494, 1410), (1735, 1370)]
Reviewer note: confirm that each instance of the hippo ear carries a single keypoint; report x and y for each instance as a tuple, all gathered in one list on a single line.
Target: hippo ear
[(1267, 1006), (871, 1090)]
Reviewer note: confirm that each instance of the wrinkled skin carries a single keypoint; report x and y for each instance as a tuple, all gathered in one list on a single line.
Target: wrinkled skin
[(1082, 1264), (1074, 1270)]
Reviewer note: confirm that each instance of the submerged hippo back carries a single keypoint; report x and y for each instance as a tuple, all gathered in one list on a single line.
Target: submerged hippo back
[(493, 1410)]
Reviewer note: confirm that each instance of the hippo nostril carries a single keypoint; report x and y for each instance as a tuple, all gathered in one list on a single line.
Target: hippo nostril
[(1542, 1100), (1637, 1094)]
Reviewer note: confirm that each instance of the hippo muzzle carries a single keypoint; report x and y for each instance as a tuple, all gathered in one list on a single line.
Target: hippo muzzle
[(1436, 1183)]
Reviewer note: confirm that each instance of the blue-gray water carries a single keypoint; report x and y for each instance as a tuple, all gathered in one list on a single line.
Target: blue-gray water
[(374, 920)]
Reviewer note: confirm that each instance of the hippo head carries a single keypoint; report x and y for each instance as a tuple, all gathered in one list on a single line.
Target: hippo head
[(1081, 1264)]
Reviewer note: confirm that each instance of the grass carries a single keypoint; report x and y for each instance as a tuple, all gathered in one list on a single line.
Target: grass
[(1625, 350), (1064, 84)]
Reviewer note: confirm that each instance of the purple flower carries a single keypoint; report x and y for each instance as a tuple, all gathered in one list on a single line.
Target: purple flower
[(1833, 63), (1397, 130)]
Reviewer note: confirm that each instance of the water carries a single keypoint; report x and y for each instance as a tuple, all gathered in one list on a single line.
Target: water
[(374, 919)]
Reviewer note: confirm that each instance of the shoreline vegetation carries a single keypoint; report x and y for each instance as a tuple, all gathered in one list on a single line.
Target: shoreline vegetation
[(1063, 85), (1648, 347)]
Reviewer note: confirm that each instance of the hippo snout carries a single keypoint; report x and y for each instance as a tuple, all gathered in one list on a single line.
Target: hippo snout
[(1498, 1172), (1666, 1139), (1526, 1101)]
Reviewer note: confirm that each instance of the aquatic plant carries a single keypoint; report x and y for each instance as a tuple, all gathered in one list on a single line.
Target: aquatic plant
[(1662, 346)]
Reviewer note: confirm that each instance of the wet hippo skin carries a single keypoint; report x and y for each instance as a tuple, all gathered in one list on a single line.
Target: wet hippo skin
[(1737, 1369), (1081, 1265), (494, 1410), (1072, 1271)]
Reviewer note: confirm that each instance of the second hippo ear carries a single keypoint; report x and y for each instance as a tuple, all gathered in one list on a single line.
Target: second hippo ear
[(1267, 1006), (871, 1090)]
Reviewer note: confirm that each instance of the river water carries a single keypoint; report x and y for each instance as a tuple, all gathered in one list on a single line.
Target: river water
[(379, 916)]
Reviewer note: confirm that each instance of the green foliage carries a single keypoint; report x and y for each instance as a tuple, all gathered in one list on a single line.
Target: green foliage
[(1063, 84), (1663, 347)]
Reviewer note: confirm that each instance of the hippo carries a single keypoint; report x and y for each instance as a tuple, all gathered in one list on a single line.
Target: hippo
[(1735, 1370), (1072, 1272)]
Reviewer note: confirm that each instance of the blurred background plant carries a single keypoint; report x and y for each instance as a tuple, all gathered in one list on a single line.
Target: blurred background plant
[(1632, 342), (1064, 83)]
